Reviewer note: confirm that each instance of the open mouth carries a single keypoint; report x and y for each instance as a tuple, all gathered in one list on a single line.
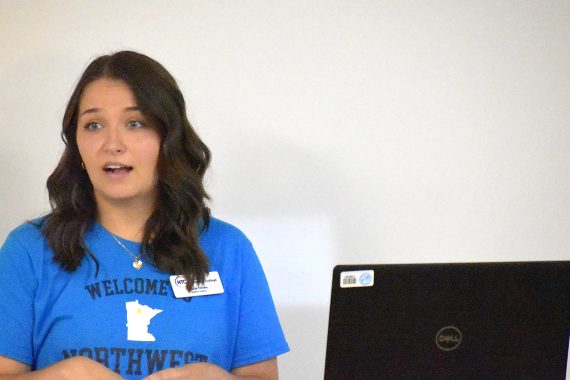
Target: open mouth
[(112, 168)]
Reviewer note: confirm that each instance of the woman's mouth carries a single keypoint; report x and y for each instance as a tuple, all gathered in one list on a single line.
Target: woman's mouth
[(117, 168)]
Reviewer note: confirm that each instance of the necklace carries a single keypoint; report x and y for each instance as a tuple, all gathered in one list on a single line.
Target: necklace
[(137, 262)]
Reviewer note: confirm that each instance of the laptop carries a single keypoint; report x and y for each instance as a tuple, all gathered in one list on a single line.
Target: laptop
[(449, 321)]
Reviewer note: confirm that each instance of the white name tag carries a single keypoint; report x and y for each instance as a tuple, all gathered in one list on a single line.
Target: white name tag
[(212, 285)]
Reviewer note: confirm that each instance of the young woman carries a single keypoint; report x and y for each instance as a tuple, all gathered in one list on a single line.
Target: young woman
[(129, 276)]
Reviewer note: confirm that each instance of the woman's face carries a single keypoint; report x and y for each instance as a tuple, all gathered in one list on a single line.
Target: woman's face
[(118, 146)]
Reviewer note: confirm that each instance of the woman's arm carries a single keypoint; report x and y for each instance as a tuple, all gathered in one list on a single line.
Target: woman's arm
[(265, 370), (78, 367), (11, 369)]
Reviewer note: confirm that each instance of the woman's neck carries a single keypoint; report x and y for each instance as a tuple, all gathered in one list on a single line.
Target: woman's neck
[(124, 219)]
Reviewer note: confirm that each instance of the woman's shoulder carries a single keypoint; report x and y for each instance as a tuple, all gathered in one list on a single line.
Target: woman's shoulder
[(226, 246), (219, 229), (26, 240), (28, 231)]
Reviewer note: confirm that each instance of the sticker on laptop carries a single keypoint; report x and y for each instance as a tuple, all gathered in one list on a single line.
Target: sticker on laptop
[(356, 279)]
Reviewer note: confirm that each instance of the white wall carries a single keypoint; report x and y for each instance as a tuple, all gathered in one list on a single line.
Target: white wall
[(342, 131)]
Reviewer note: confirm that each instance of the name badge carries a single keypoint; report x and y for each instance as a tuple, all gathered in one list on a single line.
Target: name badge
[(212, 285)]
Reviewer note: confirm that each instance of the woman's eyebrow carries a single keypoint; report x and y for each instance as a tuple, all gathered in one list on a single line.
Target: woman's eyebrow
[(89, 110), (95, 110)]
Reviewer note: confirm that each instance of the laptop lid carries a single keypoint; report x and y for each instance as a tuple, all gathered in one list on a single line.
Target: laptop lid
[(449, 321)]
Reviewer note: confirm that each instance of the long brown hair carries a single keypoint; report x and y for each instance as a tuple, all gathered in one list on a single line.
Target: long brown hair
[(172, 231)]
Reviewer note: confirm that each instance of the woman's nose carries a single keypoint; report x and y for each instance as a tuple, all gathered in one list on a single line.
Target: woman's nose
[(114, 143)]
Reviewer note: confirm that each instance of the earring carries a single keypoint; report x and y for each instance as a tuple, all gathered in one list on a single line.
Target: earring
[(82, 165)]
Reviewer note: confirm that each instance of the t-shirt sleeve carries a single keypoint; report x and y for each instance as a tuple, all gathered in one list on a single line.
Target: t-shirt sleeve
[(17, 288), (259, 335)]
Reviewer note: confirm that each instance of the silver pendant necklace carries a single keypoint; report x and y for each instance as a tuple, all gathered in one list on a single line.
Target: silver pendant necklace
[(137, 262)]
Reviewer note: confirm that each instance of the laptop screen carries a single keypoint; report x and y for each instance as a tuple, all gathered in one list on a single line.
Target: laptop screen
[(449, 321)]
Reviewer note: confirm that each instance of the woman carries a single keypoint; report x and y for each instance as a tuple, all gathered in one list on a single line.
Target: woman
[(103, 286)]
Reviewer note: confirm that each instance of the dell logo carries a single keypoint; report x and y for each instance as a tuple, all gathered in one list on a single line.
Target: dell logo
[(448, 338)]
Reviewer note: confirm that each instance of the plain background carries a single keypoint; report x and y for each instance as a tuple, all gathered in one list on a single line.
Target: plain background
[(341, 131)]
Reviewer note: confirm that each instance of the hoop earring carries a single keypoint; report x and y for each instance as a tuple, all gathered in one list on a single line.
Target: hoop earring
[(83, 165)]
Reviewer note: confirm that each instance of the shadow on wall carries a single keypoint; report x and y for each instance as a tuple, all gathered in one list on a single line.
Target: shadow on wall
[(297, 210), (33, 96)]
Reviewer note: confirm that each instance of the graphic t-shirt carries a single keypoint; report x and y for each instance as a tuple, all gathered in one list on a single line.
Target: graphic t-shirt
[(129, 319)]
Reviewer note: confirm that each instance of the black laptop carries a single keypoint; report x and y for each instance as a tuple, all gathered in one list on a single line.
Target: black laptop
[(449, 321)]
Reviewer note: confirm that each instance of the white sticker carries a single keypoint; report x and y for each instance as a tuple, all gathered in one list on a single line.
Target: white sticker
[(357, 279), (212, 285)]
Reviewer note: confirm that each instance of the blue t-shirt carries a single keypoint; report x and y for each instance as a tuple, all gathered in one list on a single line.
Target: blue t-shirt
[(129, 319)]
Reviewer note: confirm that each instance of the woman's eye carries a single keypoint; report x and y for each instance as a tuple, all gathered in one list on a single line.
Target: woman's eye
[(135, 124), (92, 126)]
